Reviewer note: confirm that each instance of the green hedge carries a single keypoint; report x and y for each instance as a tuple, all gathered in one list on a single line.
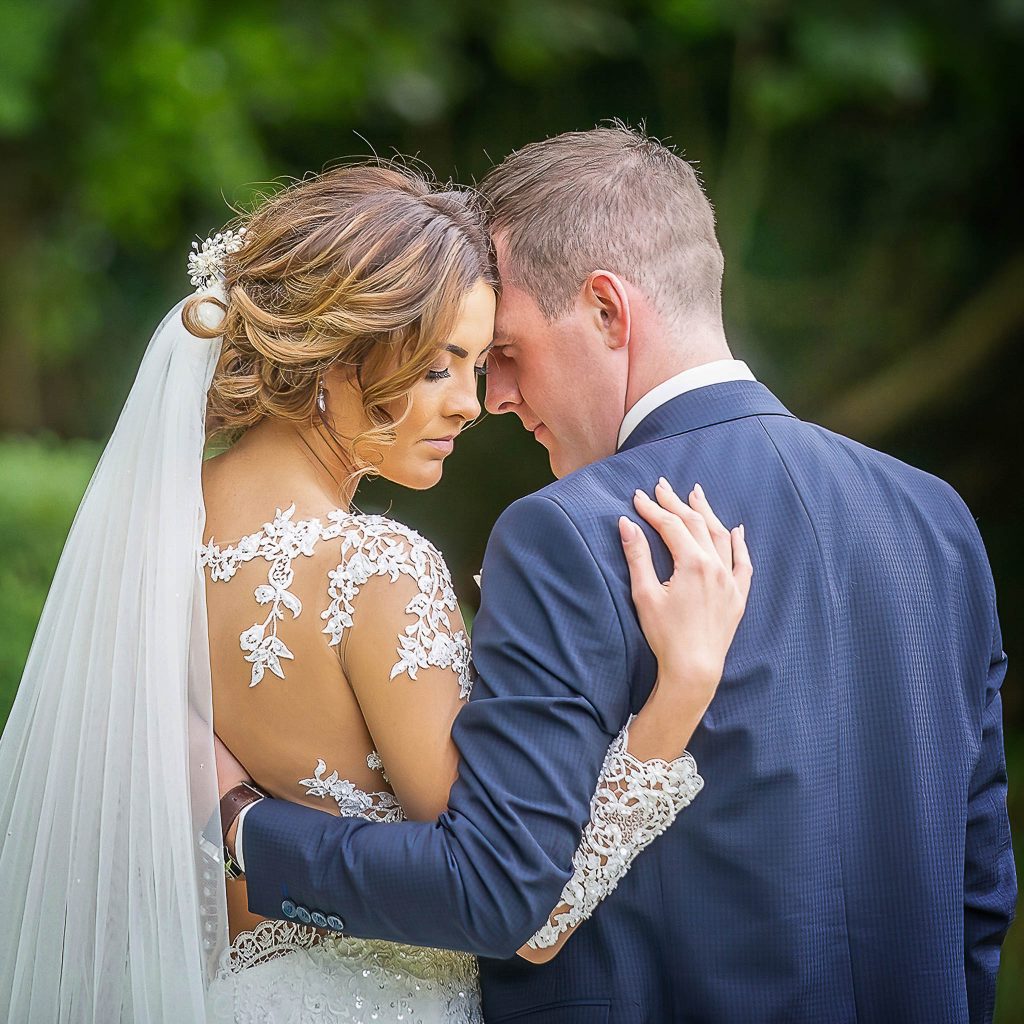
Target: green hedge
[(41, 483)]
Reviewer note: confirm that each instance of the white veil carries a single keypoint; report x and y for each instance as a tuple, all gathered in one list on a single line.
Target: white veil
[(113, 907)]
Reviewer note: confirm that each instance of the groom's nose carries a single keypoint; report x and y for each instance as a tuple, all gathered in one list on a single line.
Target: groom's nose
[(502, 387)]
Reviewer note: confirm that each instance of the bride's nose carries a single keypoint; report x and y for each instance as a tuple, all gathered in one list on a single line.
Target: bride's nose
[(463, 402)]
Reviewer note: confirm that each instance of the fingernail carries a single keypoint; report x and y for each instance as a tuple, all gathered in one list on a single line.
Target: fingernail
[(664, 483), (743, 532), (698, 490), (640, 494), (627, 531)]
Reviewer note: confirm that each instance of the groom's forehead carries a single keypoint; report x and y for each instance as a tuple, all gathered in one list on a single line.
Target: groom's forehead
[(505, 328), (503, 336)]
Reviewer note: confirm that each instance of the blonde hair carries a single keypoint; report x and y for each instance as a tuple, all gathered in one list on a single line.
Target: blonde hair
[(611, 198), (366, 266)]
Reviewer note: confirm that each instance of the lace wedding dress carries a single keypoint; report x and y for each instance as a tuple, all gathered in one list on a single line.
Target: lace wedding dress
[(303, 971)]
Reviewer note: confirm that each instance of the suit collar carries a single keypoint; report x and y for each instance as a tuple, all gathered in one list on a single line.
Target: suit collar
[(716, 403)]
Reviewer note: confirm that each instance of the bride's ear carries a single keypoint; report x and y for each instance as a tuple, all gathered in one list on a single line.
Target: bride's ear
[(339, 398), (607, 302), (341, 379)]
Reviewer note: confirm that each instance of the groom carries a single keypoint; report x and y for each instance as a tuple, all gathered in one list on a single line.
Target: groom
[(849, 858)]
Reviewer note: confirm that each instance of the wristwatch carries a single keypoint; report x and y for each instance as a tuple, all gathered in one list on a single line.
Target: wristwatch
[(231, 805)]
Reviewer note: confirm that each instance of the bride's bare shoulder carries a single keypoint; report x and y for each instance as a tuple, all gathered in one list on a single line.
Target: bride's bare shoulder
[(242, 496)]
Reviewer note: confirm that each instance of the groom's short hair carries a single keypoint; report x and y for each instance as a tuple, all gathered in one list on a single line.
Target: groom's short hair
[(612, 198)]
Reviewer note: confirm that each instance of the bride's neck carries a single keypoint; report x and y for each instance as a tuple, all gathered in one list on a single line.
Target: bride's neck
[(303, 459)]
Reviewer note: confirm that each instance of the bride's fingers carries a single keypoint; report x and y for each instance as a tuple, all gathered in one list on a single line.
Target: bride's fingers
[(643, 580), (674, 532), (719, 534), (693, 520), (742, 567)]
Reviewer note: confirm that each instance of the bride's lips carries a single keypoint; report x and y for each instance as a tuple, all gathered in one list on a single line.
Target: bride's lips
[(442, 444)]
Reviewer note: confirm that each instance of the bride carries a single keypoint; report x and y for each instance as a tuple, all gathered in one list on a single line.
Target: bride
[(337, 333)]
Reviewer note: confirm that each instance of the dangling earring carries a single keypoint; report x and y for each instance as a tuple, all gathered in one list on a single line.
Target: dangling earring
[(321, 398)]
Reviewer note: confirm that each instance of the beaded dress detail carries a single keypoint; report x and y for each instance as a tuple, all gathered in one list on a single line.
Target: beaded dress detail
[(283, 973), (286, 971)]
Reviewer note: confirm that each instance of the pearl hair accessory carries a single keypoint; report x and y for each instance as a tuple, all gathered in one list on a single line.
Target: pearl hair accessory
[(206, 261)]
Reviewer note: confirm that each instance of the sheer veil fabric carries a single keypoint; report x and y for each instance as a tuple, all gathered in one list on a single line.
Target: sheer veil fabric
[(113, 904)]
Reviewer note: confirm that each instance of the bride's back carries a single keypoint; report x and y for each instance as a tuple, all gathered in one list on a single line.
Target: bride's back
[(291, 703), (289, 582), (282, 699)]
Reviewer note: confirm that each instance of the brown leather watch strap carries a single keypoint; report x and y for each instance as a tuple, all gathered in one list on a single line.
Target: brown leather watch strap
[(232, 802)]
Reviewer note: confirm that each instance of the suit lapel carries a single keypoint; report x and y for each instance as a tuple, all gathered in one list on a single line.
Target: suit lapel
[(703, 407)]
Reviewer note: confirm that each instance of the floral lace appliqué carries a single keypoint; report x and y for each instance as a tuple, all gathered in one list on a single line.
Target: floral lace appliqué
[(279, 542), (352, 801), (376, 764), (375, 546), (370, 546)]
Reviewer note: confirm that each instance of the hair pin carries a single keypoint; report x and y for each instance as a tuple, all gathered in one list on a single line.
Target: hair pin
[(206, 261)]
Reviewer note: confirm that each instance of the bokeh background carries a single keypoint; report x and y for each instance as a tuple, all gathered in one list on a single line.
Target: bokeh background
[(863, 160)]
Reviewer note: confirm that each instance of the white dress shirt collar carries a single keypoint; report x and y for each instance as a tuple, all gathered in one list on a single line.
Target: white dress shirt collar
[(718, 372)]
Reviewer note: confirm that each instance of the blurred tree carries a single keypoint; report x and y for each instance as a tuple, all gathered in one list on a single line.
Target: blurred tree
[(843, 148), (843, 145)]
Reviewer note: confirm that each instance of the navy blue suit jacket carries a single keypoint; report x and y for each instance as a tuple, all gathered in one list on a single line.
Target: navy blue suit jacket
[(849, 857)]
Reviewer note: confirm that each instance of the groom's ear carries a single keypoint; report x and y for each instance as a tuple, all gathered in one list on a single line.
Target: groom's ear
[(606, 300)]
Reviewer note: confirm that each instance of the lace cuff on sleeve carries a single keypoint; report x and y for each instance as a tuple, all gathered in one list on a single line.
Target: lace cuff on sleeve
[(634, 803)]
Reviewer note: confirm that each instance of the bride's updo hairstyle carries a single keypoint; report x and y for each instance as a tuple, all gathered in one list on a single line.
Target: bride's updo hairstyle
[(364, 266)]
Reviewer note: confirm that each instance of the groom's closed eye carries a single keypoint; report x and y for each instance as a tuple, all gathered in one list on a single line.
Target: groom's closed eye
[(501, 342)]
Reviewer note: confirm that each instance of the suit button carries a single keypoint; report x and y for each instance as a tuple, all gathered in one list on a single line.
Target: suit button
[(318, 919), (303, 915), (288, 909), (335, 923)]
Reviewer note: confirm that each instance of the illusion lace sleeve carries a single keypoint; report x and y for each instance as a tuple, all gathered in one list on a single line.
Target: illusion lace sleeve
[(634, 803), (373, 546)]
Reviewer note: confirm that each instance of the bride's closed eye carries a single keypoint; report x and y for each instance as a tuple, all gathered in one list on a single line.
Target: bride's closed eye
[(444, 374)]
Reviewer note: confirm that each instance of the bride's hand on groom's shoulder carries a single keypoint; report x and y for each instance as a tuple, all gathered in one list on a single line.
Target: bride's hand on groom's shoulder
[(689, 620)]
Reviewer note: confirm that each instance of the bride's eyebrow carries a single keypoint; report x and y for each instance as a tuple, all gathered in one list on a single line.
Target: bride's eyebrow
[(457, 350)]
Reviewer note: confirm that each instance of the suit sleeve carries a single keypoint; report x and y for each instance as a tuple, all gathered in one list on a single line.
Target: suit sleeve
[(552, 665), (990, 884)]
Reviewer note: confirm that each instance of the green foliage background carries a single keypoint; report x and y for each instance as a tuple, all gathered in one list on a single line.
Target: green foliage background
[(861, 159)]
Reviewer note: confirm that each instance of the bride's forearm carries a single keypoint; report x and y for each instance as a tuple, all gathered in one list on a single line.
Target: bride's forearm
[(665, 724), (646, 780)]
